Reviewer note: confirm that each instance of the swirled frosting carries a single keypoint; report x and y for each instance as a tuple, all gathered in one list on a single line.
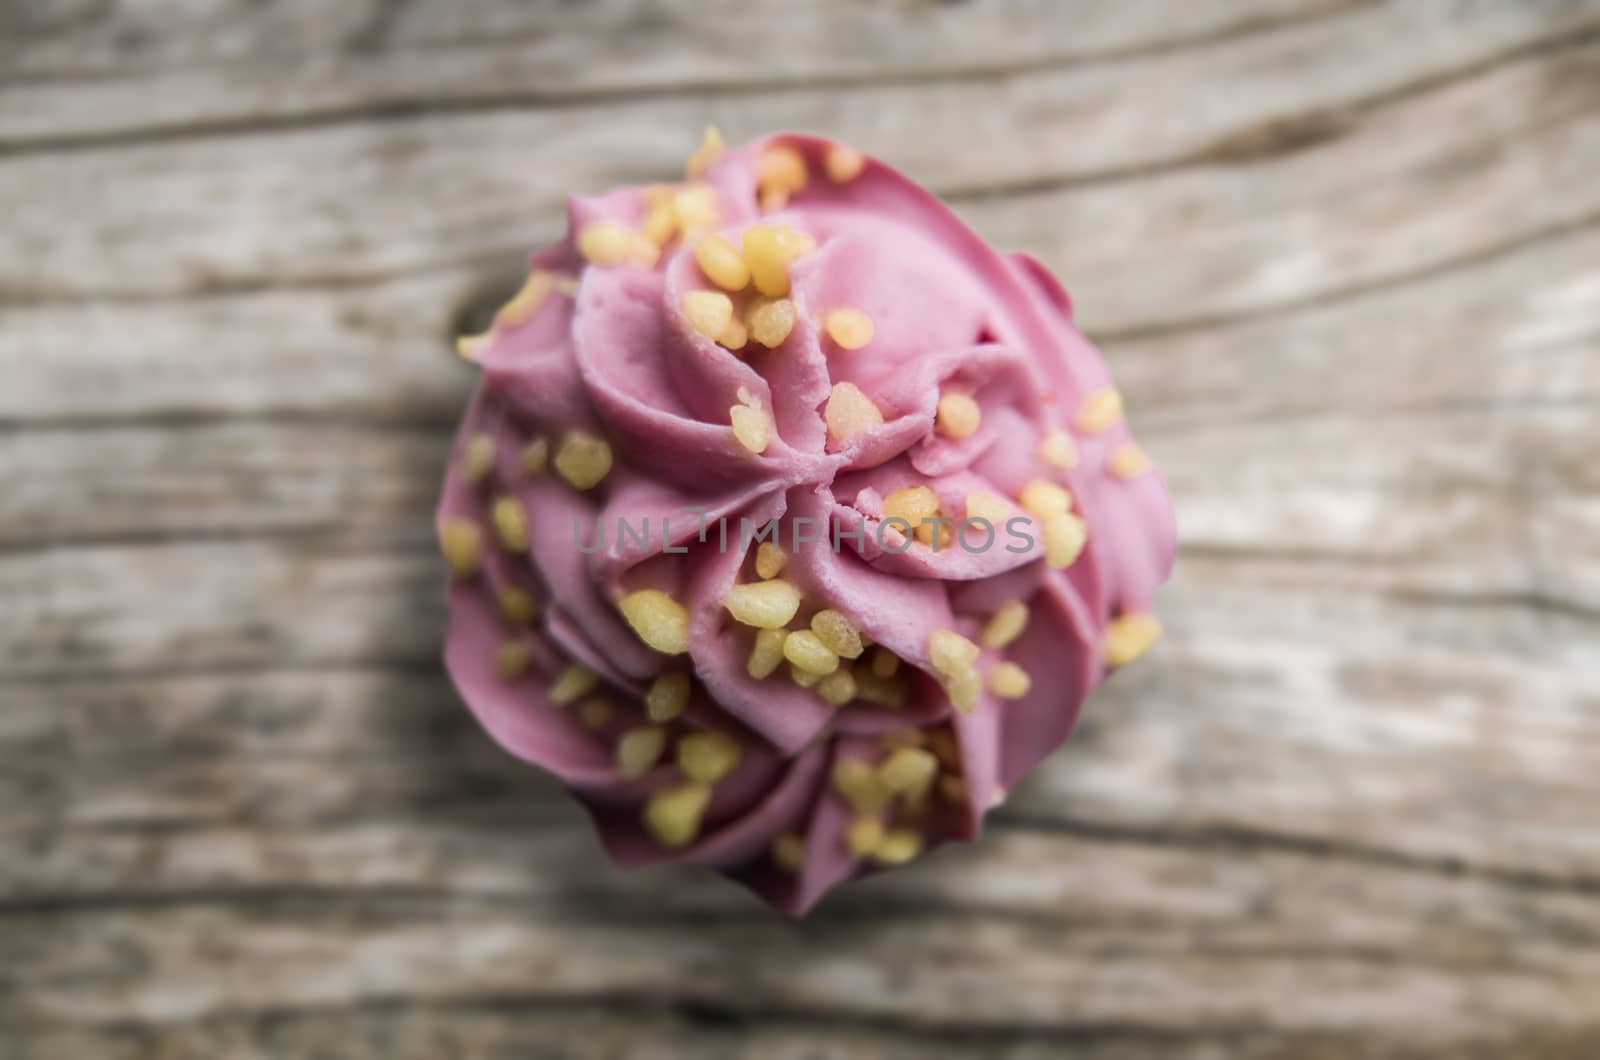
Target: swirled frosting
[(791, 524)]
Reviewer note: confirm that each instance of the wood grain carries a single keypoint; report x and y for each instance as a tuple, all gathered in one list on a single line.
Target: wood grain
[(231, 63), (1344, 257)]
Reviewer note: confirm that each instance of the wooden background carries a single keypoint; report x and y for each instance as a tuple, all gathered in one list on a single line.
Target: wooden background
[(1345, 258)]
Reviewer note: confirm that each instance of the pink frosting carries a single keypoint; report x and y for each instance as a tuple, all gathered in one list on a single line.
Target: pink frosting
[(615, 356)]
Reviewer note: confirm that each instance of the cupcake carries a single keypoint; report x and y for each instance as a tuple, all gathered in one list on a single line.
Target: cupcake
[(790, 523)]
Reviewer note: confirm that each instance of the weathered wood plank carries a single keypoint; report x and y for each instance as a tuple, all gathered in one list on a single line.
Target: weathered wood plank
[(1439, 491), (125, 608), (274, 713), (375, 483), (1283, 706), (1529, 335), (379, 353), (505, 184), (490, 830), (374, 350), (1214, 955), (110, 607), (506, 1028), (228, 62)]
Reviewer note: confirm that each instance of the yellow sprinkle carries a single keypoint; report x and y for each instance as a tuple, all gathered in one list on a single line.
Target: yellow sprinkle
[(837, 688), (660, 194), (596, 713), (661, 223), (768, 260), (914, 504), (526, 301), (462, 544), (1064, 538), (667, 696), (898, 846), (789, 852), (863, 836), (658, 619), (803, 678), (964, 690), (837, 632), (1128, 461), (766, 653), (583, 459), (959, 415), (574, 681), (734, 336), (857, 783), (708, 756), (806, 650), (477, 459), (1044, 499), (770, 560), (673, 815), (605, 243), (721, 262), (771, 322), (769, 604), (1130, 636), (517, 606), (843, 163), (880, 691), (510, 524), (709, 151), (469, 347), (696, 209), (908, 771), (1100, 410), (708, 312), (638, 750), (850, 329), (535, 457), (1058, 450), (781, 166), (942, 742), (885, 663), (950, 653), (953, 788), (1005, 625), (1009, 681), (849, 412), (990, 507), (935, 536), (794, 242), (752, 428), (511, 659)]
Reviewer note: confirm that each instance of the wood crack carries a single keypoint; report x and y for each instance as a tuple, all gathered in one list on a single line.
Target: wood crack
[(1286, 133), (411, 108), (1242, 839), (1350, 292)]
